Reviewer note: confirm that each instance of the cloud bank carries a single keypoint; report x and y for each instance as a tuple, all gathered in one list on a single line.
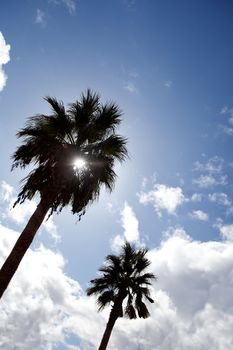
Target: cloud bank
[(44, 307)]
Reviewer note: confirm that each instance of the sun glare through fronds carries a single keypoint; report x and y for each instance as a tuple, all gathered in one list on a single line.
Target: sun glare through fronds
[(79, 163)]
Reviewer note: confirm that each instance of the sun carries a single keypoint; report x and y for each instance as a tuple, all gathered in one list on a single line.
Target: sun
[(79, 163)]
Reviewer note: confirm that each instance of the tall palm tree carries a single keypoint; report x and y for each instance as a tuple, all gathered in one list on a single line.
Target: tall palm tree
[(73, 152), (123, 277)]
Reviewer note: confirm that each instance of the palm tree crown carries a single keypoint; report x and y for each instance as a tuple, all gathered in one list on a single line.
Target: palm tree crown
[(125, 275), (53, 142)]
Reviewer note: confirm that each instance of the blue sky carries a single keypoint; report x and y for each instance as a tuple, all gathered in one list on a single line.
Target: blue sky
[(168, 64)]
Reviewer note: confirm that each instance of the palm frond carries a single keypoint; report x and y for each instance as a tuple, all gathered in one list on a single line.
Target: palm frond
[(146, 278), (130, 311), (90, 101), (105, 298), (107, 119), (83, 111), (113, 261), (141, 308), (113, 147), (57, 107), (52, 142)]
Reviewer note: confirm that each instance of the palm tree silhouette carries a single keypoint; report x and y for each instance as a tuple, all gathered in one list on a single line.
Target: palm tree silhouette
[(123, 276), (73, 152)]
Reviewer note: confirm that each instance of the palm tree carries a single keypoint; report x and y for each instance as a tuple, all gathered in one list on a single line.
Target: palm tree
[(123, 276), (73, 152)]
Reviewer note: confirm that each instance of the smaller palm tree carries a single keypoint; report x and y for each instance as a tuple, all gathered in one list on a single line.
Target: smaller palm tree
[(123, 277)]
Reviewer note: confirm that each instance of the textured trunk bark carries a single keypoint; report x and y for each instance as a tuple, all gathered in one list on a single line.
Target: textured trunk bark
[(22, 244)]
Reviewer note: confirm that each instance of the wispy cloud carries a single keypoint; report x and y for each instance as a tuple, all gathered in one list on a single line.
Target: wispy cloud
[(163, 198), (199, 215), (4, 59), (207, 181), (167, 83), (227, 130), (212, 165), (134, 74), (224, 110), (220, 198), (69, 4), (130, 87), (212, 171), (228, 112), (196, 197), (40, 17), (130, 3)]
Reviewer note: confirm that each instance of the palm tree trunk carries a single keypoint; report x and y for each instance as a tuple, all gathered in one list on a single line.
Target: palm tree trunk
[(22, 244), (108, 330), (114, 314)]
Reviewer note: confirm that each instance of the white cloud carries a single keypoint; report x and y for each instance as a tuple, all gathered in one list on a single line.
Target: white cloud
[(168, 83), (193, 307), (163, 198), (6, 191), (109, 207), (40, 17), (212, 165), (230, 120), (226, 231), (228, 130), (206, 181), (213, 173), (4, 59), (117, 242), (130, 87), (194, 278), (227, 111), (199, 215), (19, 213), (144, 182), (220, 198), (130, 225), (196, 197), (130, 3), (69, 4), (38, 300), (51, 228), (224, 110), (22, 212)]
